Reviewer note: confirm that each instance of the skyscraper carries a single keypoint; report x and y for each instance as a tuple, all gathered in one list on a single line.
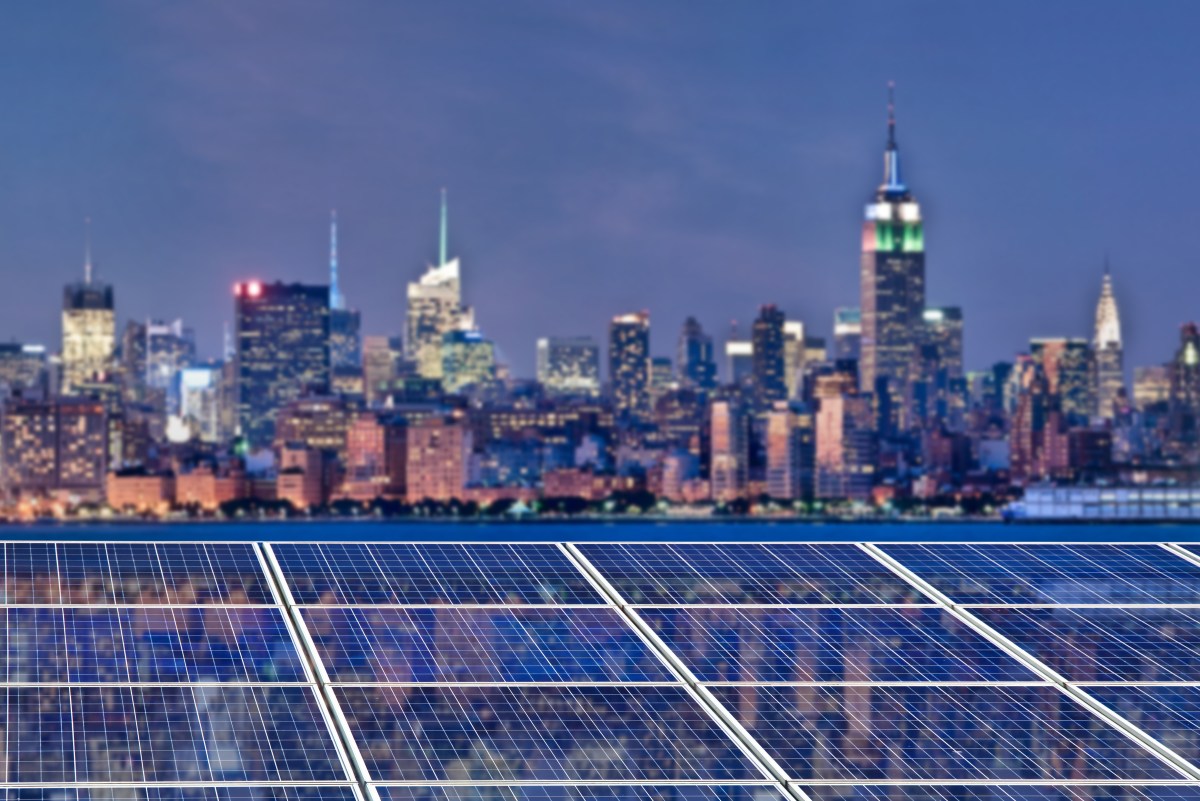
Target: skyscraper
[(468, 359), (730, 451), (89, 330), (768, 356), (847, 333), (791, 442), (1184, 401), (695, 358), (1109, 355), (892, 282), (435, 307), (345, 343), (1067, 363), (569, 365), (629, 363), (282, 351)]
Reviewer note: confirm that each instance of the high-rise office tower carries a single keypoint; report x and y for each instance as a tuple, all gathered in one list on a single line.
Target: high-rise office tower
[(170, 347), (729, 463), (629, 363), (847, 333), (345, 342), (282, 351), (200, 402), (1109, 355), (1067, 364), (845, 440), (468, 359), (769, 373), (739, 357), (937, 391), (795, 357), (892, 283), (23, 370), (1184, 402), (569, 365), (695, 358), (435, 307), (55, 446), (89, 330), (383, 358), (791, 442)]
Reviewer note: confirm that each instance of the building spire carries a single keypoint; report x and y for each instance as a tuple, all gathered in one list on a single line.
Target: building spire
[(444, 233), (1108, 319), (335, 292), (87, 250), (892, 183), (891, 115)]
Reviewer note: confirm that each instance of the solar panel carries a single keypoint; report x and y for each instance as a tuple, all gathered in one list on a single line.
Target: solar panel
[(1053, 574), (1169, 713), (581, 792), (188, 793), (635, 733), (480, 644), (922, 733), (1002, 792), (146, 644), (823, 644), (673, 575), (432, 574), (78, 574), (165, 734), (1106, 644)]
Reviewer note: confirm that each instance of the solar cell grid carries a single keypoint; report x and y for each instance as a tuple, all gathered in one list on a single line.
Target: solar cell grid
[(480, 644), (166, 734), (582, 792), (356, 574), (146, 644), (1169, 713), (131, 574), (990, 574), (929, 733), (830, 644), (673, 575), (188, 793), (546, 733), (994, 792)]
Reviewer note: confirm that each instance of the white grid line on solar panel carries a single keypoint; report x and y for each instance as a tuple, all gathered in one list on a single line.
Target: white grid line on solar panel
[(167, 734), (397, 573), (574, 732), (571, 791), (992, 783), (485, 644), (147, 645), (1169, 712), (130, 573), (787, 573), (147, 791), (1009, 791), (790, 643), (1063, 574), (1102, 644), (921, 732)]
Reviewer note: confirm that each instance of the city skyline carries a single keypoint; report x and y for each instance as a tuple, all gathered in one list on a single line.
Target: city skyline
[(571, 249)]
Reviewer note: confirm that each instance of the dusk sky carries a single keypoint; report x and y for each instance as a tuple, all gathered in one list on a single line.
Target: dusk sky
[(683, 157)]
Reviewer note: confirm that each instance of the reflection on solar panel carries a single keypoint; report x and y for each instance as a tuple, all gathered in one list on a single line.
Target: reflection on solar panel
[(555, 733), (584, 792), (672, 575), (1171, 714), (823, 644), (480, 644), (1053, 574), (190, 793), (432, 574), (1110, 644), (146, 644), (131, 573), (993, 792), (987, 732)]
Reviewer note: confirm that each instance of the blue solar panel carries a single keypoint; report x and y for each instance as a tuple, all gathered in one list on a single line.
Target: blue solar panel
[(190, 793), (824, 644), (1053, 574), (547, 733), (1002, 792), (146, 644), (922, 733), (1168, 713), (1108, 644), (484, 644), (432, 574), (164, 734), (672, 575), (583, 792), (131, 573)]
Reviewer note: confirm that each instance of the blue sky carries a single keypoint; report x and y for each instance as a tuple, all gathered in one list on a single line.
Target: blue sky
[(683, 157)]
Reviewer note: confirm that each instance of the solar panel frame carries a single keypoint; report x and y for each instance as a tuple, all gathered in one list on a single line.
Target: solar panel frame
[(582, 791), (187, 792)]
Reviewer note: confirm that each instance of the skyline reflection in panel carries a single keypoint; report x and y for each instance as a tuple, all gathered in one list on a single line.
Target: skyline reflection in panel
[(1169, 713), (635, 733), (1000, 792), (929, 733), (994, 574), (582, 792), (830, 644), (403, 573), (679, 574), (186, 793), (480, 644)]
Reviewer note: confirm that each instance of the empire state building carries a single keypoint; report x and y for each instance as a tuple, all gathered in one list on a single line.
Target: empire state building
[(892, 285)]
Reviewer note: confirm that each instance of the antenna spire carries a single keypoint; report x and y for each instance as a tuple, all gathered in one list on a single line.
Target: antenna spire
[(87, 250), (443, 235), (335, 292), (891, 115)]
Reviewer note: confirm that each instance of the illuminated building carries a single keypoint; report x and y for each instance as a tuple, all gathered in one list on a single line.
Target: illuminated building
[(1151, 386), (791, 453), (662, 378), (569, 365), (847, 333), (169, 348), (376, 457), (695, 357), (892, 284), (767, 355), (208, 489), (629, 363), (729, 463), (133, 362), (301, 477), (200, 402), (88, 332), (937, 393), (1067, 363), (435, 308), (1109, 354), (55, 447), (139, 491), (438, 450), (23, 370), (468, 359), (1184, 401), (382, 357), (345, 344), (795, 355), (845, 441), (319, 422), (282, 351), (739, 355)]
